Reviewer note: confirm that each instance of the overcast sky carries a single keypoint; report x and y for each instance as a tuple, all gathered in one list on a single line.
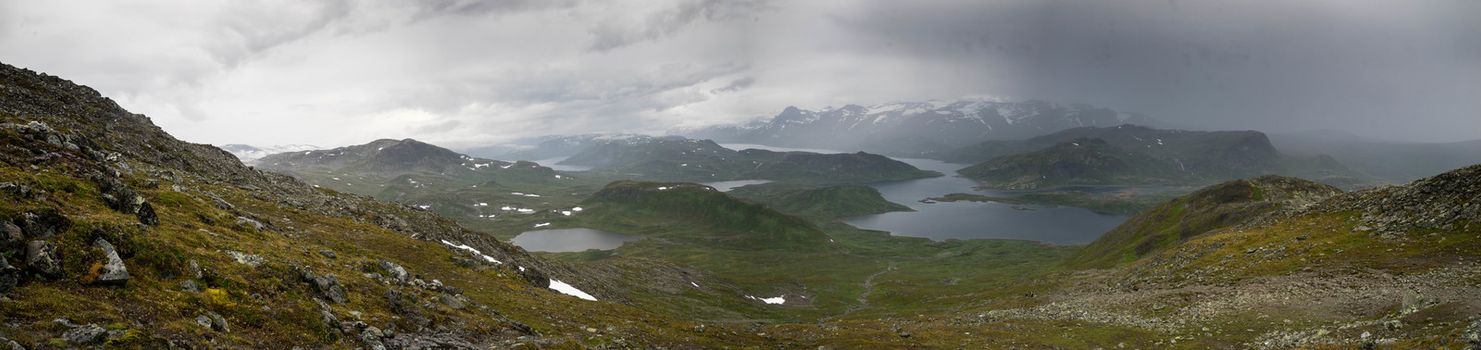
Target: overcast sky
[(466, 73)]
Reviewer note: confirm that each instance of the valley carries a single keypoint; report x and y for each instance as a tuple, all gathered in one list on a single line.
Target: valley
[(644, 241)]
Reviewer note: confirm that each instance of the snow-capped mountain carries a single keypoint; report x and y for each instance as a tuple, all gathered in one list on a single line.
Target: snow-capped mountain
[(248, 153), (906, 128)]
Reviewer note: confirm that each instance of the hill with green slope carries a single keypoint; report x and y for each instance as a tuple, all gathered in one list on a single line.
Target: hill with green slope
[(673, 158), (117, 234), (1222, 205), (1083, 162), (822, 203), (717, 218), (1202, 157)]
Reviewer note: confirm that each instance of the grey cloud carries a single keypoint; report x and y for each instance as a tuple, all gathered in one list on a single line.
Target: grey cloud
[(481, 71), (616, 32), (736, 85)]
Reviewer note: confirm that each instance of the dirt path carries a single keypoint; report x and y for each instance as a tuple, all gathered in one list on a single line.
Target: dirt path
[(868, 289)]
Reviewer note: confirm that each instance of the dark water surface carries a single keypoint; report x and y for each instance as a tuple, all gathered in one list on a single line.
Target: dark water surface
[(571, 240), (969, 220)]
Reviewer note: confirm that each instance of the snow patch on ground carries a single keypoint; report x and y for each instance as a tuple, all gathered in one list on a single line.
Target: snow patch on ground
[(474, 250), (567, 289)]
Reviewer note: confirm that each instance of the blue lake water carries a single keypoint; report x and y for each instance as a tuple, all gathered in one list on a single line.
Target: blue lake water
[(970, 220)]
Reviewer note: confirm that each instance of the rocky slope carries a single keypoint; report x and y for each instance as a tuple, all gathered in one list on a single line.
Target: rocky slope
[(1222, 205), (910, 128), (117, 233)]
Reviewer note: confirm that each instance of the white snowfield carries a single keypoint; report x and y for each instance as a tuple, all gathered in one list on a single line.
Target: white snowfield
[(567, 289)]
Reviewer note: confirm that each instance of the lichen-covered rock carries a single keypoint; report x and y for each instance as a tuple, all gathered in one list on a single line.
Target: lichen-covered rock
[(112, 270), (10, 234), (10, 276), (40, 224), (396, 271), (146, 215), (84, 334), (214, 321), (41, 257), (327, 286)]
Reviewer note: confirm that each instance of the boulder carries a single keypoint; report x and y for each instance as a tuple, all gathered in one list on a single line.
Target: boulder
[(146, 215), (112, 271), (84, 334), (41, 257), (396, 271), (10, 234), (327, 286), (214, 321), (250, 223), (10, 276), (190, 286), (43, 223)]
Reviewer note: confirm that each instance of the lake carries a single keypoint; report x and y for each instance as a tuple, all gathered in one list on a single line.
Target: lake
[(970, 220), (571, 240)]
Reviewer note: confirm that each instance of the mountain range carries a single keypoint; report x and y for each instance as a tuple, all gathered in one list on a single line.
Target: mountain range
[(1139, 155), (911, 128), (115, 234), (249, 153)]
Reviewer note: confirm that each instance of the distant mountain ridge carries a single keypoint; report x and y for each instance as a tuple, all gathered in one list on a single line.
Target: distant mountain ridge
[(674, 158), (908, 128), (384, 157), (1151, 155), (249, 153)]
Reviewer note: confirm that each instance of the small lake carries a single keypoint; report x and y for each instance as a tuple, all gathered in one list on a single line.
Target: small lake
[(726, 186), (571, 240), (970, 220), (555, 163)]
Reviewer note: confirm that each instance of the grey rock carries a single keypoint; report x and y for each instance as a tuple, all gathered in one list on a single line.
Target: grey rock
[(21, 191), (146, 215), (10, 234), (327, 286), (214, 321), (328, 254), (1473, 335), (10, 276), (371, 336), (252, 260), (41, 257), (396, 271), (195, 270), (222, 203), (113, 271), (251, 223), (190, 286), (43, 223), (11, 344), (85, 334), (453, 302)]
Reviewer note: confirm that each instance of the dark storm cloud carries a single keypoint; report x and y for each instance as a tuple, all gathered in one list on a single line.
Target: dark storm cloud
[(1406, 70), (465, 72)]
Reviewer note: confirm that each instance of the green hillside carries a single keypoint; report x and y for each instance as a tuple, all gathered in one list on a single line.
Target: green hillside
[(1218, 206), (716, 218), (823, 203)]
